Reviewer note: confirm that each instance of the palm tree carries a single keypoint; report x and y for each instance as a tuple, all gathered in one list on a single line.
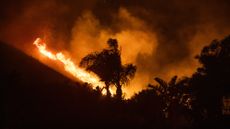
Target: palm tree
[(126, 73), (173, 93), (108, 66)]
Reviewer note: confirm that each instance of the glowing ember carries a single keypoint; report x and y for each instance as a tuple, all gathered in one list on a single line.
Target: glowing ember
[(69, 66)]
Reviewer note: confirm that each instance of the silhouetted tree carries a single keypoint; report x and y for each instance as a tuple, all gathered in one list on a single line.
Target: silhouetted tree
[(176, 100), (211, 81), (108, 66), (173, 93)]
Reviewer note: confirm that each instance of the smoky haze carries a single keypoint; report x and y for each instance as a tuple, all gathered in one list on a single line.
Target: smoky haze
[(160, 37)]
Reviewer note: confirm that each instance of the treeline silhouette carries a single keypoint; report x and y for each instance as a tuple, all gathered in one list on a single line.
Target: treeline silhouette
[(33, 101)]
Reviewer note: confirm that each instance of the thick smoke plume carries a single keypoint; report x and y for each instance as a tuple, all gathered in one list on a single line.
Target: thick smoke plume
[(161, 38)]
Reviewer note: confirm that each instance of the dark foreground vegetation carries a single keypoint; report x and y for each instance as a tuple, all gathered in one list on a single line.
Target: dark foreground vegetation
[(35, 96)]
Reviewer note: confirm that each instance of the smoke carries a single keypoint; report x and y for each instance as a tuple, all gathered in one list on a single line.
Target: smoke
[(89, 35), (161, 38)]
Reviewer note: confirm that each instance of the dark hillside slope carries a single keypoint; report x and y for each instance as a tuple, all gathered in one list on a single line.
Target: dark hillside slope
[(34, 95)]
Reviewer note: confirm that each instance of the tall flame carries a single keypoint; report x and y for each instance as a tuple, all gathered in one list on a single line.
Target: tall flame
[(69, 65)]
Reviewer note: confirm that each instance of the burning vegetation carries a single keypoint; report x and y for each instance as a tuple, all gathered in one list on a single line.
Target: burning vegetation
[(69, 65), (106, 64), (152, 79)]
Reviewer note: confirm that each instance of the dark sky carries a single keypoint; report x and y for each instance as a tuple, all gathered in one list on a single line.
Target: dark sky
[(178, 28)]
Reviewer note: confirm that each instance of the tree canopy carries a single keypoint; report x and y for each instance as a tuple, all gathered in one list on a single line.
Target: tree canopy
[(108, 66)]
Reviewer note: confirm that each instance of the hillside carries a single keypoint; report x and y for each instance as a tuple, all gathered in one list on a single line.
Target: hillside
[(36, 96)]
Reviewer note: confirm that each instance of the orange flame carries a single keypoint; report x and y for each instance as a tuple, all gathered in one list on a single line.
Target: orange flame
[(69, 66)]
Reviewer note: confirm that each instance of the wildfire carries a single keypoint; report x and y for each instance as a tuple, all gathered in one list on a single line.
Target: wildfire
[(69, 65)]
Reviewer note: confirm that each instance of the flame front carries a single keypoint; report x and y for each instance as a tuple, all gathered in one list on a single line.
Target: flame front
[(69, 65)]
